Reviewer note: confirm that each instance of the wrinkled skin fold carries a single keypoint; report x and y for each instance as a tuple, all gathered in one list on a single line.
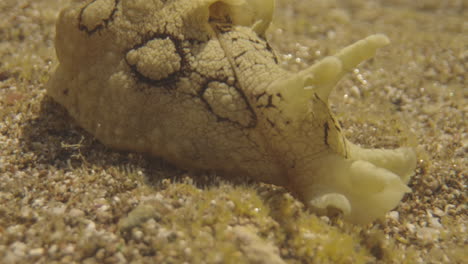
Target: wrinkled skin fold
[(196, 83)]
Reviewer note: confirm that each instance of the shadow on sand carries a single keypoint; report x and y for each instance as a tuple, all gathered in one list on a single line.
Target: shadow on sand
[(56, 141)]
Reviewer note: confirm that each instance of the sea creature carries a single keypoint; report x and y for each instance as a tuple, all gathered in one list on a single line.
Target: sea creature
[(196, 83)]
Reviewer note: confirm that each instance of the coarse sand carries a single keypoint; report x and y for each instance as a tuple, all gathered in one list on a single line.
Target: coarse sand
[(66, 198)]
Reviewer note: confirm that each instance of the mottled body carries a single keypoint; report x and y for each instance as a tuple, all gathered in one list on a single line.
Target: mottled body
[(196, 83)]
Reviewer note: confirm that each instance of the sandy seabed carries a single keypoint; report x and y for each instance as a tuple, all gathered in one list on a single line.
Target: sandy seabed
[(66, 198)]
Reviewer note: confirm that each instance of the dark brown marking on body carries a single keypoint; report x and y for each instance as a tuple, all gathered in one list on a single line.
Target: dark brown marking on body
[(325, 133), (269, 103), (99, 27), (253, 121), (271, 123), (170, 81), (240, 55), (337, 127), (258, 96), (272, 52)]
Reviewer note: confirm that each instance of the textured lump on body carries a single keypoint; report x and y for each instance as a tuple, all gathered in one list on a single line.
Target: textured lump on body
[(196, 83)]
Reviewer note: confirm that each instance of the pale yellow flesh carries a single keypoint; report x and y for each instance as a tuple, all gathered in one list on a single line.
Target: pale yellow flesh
[(195, 83)]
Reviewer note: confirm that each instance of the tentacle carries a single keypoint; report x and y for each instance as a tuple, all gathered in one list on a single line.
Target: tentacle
[(359, 189), (320, 78), (401, 161), (349, 58), (360, 51), (301, 87)]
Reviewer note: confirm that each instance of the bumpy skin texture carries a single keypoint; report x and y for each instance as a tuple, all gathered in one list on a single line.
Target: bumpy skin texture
[(196, 83)]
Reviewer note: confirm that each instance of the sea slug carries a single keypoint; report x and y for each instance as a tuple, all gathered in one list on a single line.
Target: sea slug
[(196, 83)]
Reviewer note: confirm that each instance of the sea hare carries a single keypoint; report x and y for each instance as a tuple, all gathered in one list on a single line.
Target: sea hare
[(196, 83)]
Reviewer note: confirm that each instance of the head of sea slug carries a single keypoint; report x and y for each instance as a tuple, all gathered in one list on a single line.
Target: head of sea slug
[(330, 173), (327, 171)]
